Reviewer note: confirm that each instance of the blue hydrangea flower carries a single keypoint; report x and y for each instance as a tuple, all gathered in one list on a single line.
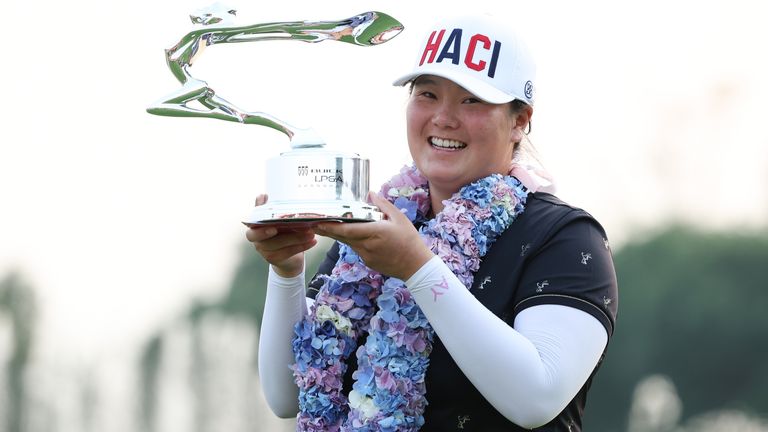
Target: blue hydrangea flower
[(408, 207)]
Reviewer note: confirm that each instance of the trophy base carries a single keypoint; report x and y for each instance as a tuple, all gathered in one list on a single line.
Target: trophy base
[(289, 216)]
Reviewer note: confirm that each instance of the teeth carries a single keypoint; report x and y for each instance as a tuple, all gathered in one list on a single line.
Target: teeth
[(446, 143)]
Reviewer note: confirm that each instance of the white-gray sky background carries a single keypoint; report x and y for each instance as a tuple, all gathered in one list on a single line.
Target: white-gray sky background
[(647, 112)]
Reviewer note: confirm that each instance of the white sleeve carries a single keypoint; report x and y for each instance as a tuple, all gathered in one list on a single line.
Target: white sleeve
[(529, 373), (284, 306)]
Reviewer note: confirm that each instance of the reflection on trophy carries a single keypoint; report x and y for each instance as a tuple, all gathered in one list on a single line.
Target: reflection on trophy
[(309, 183)]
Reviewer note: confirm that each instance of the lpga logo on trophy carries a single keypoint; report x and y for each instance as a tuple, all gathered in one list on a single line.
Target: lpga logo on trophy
[(309, 183)]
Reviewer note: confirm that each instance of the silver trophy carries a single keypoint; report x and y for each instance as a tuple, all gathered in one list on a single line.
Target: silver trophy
[(309, 183)]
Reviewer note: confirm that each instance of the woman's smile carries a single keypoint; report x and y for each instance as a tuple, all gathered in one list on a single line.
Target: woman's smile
[(446, 144)]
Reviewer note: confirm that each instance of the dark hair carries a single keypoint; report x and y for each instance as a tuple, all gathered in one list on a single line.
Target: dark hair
[(516, 106)]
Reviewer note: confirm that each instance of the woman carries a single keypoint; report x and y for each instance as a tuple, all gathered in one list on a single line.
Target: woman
[(394, 339)]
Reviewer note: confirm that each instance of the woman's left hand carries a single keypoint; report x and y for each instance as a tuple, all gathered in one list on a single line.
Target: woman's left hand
[(391, 246)]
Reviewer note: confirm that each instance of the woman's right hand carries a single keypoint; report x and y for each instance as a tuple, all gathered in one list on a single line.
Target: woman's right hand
[(283, 250)]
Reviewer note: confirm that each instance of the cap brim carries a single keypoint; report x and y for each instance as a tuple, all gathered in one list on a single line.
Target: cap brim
[(481, 89)]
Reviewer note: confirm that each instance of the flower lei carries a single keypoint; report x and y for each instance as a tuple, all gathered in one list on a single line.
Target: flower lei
[(354, 302)]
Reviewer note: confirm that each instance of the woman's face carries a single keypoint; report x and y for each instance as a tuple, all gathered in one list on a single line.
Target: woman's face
[(455, 138)]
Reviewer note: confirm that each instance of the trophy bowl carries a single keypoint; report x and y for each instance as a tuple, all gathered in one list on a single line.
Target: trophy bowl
[(310, 185)]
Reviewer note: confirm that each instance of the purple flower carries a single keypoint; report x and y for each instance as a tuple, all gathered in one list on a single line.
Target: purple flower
[(356, 313)]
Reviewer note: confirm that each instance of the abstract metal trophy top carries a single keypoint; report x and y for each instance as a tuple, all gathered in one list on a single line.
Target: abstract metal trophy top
[(366, 29)]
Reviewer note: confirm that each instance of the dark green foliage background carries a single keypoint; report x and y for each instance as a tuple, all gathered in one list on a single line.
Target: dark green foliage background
[(692, 306)]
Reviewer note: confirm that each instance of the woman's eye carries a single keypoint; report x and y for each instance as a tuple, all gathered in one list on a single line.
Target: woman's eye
[(471, 100), (427, 94)]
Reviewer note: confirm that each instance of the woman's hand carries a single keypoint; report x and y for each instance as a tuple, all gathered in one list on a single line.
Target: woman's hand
[(283, 250), (392, 246)]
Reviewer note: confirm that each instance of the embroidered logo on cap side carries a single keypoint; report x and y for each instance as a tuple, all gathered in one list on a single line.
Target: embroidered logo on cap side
[(528, 89)]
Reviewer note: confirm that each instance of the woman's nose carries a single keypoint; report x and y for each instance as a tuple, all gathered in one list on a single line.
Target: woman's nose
[(445, 116)]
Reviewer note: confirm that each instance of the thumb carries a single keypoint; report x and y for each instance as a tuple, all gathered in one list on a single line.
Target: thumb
[(390, 211)]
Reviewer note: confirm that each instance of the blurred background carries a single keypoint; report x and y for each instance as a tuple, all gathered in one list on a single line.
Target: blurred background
[(130, 300)]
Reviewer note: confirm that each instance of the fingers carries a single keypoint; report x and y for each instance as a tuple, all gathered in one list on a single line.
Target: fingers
[(283, 250), (279, 257), (330, 230), (288, 241), (260, 234), (390, 211), (346, 232), (269, 239), (277, 247), (353, 232)]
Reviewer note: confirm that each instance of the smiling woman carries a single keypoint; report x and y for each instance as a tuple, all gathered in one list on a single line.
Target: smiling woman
[(669, 101), (481, 301), (456, 138)]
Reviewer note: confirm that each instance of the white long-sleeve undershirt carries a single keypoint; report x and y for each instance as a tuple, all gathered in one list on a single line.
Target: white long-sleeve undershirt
[(284, 306), (529, 373)]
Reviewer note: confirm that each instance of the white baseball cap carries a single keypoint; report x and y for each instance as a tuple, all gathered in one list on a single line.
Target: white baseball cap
[(479, 53)]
